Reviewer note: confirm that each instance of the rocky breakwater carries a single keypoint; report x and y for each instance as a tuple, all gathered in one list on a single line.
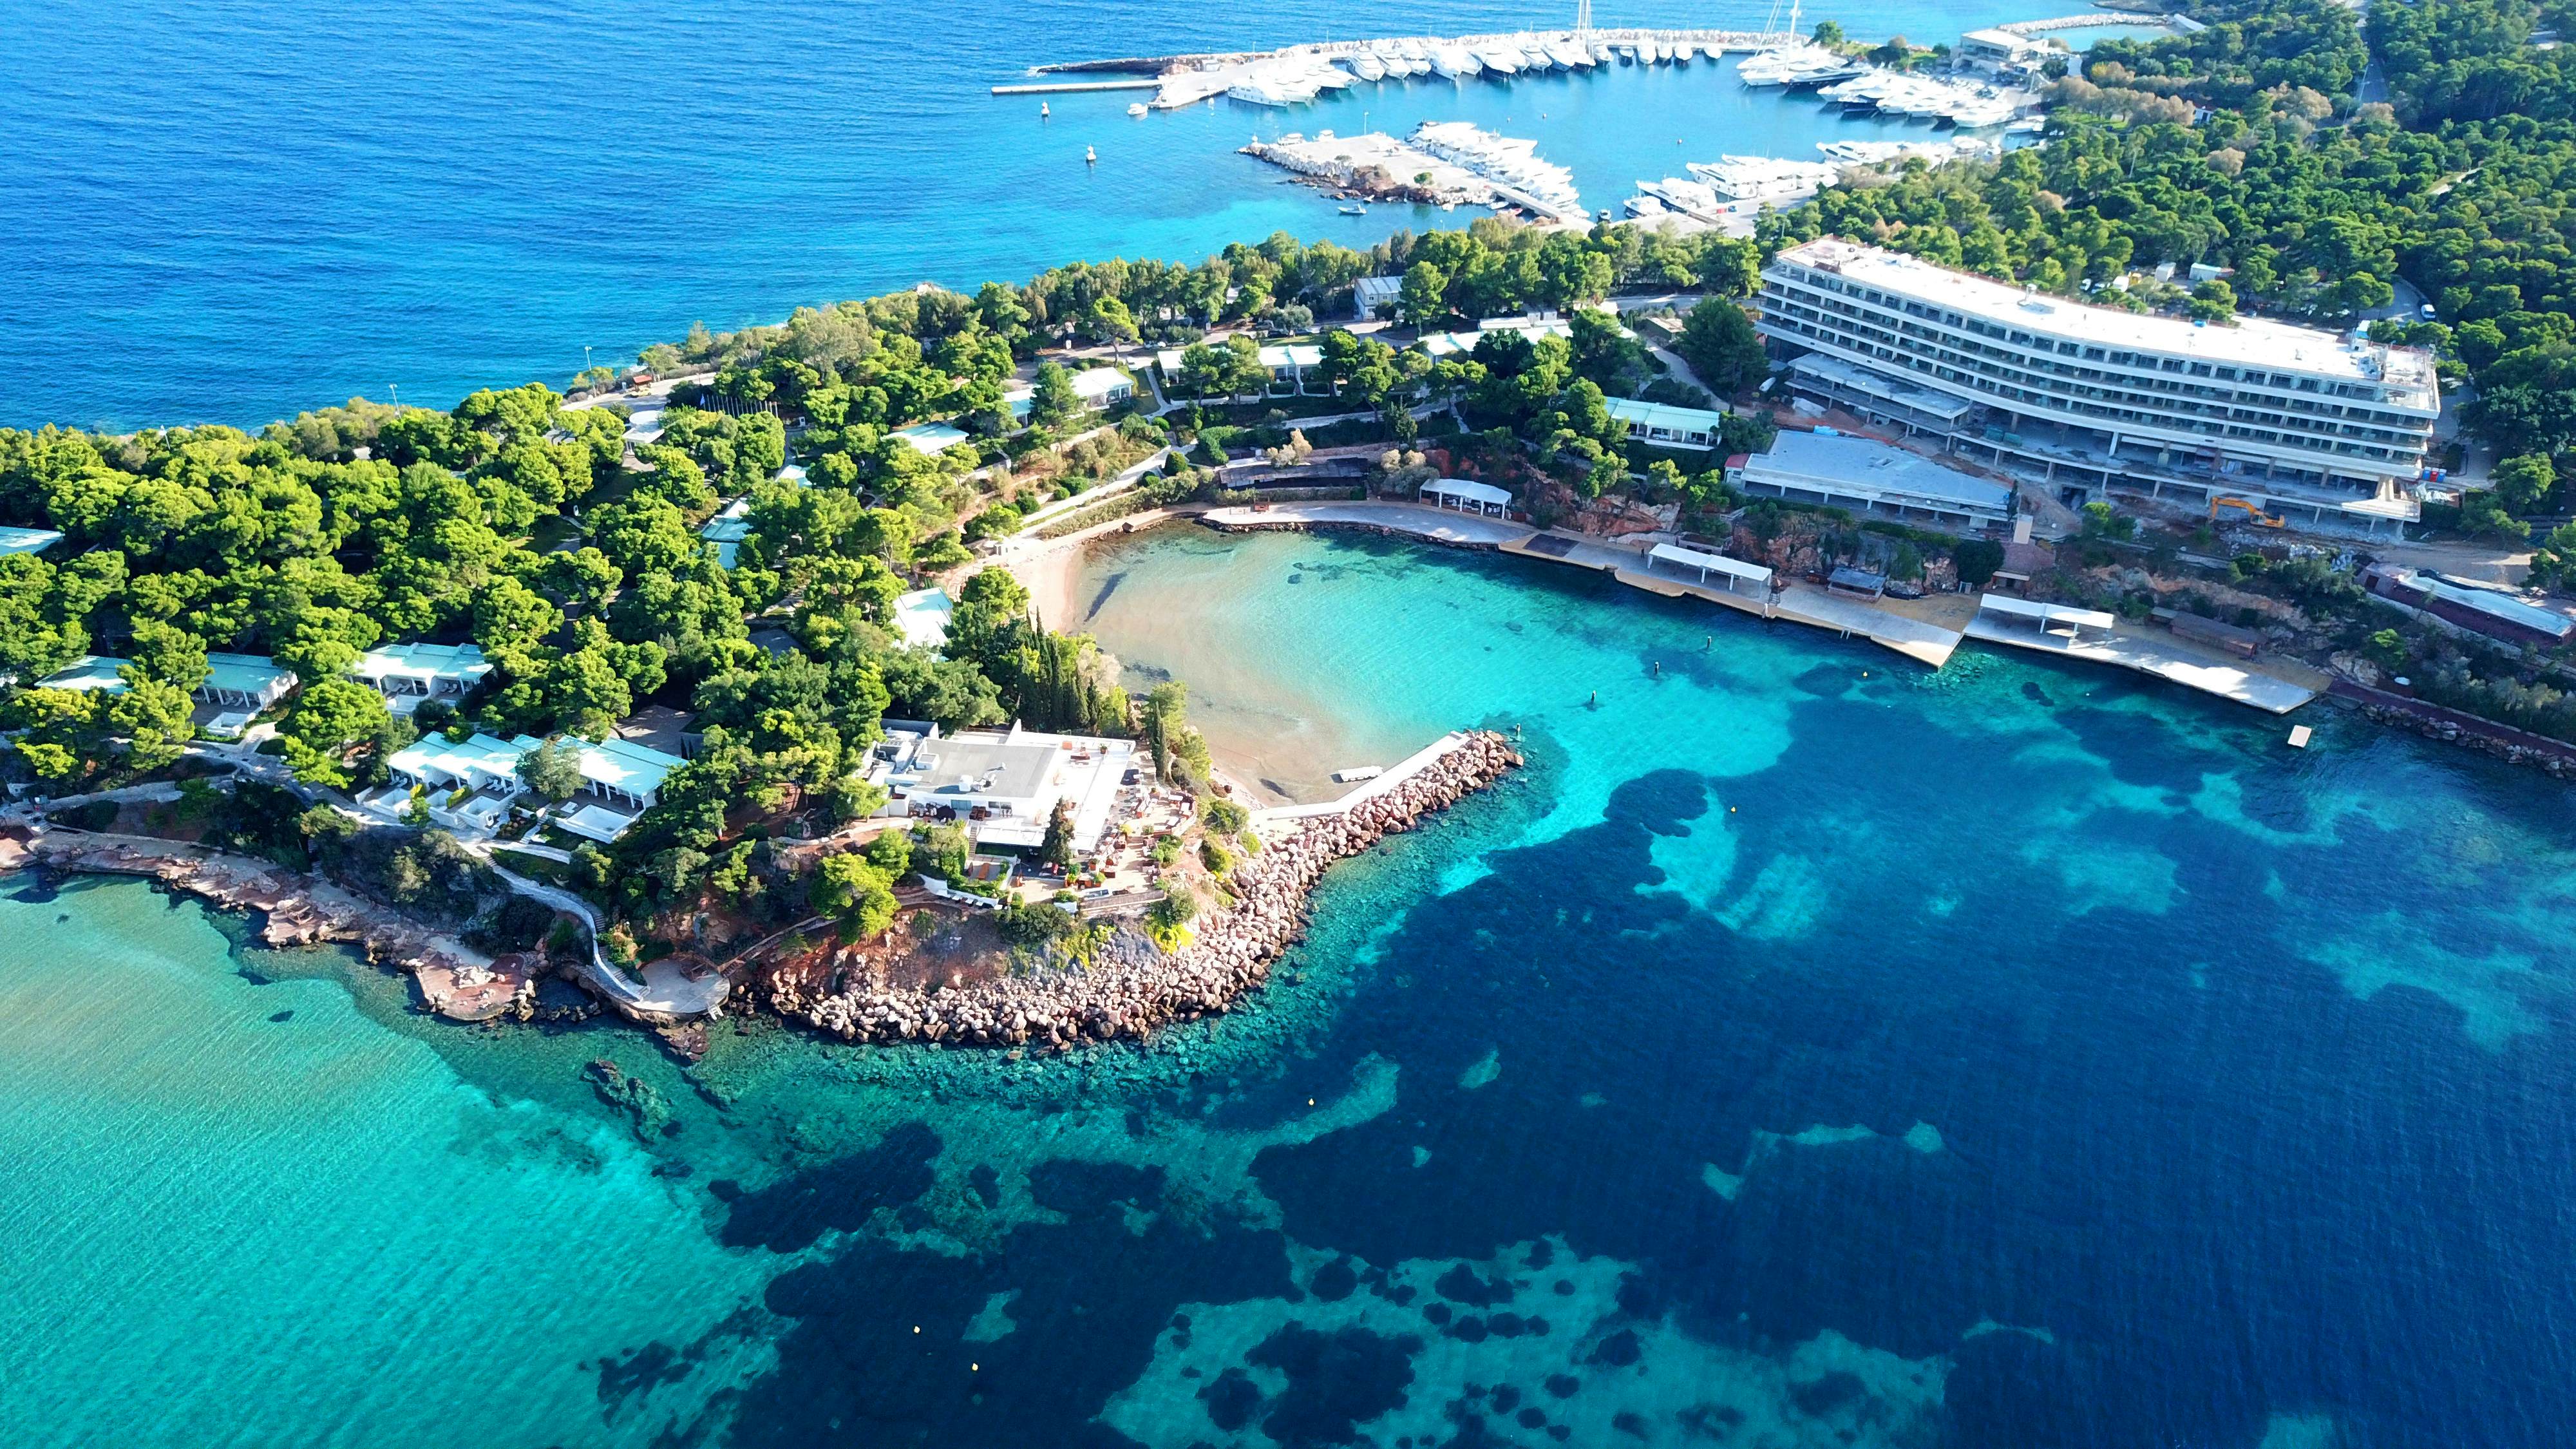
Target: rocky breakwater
[(1131, 997), (293, 909)]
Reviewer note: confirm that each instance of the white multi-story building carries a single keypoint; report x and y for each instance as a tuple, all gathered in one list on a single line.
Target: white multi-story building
[(2288, 417)]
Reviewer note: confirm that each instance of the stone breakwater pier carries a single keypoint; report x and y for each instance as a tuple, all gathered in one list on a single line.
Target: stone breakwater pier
[(1131, 996)]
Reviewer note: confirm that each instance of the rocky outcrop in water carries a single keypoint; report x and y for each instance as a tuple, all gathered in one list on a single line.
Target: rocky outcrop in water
[(1131, 997)]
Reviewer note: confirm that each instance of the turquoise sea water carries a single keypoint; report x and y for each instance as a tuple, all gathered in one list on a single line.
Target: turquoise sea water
[(228, 211), (1806, 1049)]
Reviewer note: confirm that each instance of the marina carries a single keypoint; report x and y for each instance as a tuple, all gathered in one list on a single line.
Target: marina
[(1443, 163), (1731, 192)]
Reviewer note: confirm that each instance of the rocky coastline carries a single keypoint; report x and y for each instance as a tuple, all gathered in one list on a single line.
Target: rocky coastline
[(1132, 996), (294, 909), (2514, 747)]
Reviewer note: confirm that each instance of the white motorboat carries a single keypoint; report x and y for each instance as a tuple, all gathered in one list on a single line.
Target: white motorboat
[(1364, 65), (1977, 115), (1500, 61), (1777, 65)]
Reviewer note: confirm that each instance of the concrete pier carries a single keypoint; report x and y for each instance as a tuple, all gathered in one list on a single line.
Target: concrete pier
[(1049, 88), (2164, 656), (1710, 42)]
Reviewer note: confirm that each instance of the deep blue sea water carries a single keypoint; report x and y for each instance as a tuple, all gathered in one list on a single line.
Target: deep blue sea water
[(229, 211), (1807, 1049)]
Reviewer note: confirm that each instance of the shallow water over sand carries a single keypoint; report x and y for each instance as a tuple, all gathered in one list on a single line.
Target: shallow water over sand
[(1805, 1050)]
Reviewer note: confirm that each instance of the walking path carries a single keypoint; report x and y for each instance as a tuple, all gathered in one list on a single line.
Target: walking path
[(1798, 603), (1412, 765)]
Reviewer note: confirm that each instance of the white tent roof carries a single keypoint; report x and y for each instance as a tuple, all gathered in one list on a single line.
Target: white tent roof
[(1715, 563), (2047, 614), (1473, 492)]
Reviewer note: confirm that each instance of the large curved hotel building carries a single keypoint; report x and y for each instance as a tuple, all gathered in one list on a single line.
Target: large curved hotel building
[(2286, 418)]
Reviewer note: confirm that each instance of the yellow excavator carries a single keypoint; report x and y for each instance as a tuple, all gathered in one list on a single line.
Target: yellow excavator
[(2257, 515)]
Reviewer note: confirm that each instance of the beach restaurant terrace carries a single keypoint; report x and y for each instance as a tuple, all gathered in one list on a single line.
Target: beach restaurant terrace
[(1863, 474), (1467, 496), (1733, 571)]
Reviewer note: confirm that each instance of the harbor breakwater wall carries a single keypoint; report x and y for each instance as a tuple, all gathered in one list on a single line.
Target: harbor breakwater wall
[(1711, 40), (1133, 995)]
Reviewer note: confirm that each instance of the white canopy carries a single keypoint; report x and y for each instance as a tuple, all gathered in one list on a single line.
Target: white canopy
[(1709, 563), (1468, 489), (1467, 496), (2047, 615)]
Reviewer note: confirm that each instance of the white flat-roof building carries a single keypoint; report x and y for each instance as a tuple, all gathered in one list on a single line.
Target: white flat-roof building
[(1003, 786), (90, 671), (467, 786), (1102, 387), (248, 681), (2094, 396), (1860, 473), (727, 530), (1533, 327), (1665, 426), (1097, 387), (1878, 397), (1994, 51), (1289, 364), (410, 675), (620, 780), (931, 439)]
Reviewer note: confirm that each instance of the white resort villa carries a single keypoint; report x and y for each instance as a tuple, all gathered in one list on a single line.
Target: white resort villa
[(474, 786), (1098, 388), (1663, 425), (410, 675), (1003, 786)]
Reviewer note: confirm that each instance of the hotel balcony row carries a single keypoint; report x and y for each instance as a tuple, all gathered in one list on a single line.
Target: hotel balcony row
[(2082, 464)]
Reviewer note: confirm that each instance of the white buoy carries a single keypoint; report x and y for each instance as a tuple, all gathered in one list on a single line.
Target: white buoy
[(1090, 157), (1043, 112)]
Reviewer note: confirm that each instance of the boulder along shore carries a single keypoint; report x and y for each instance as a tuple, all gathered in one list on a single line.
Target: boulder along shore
[(294, 909), (1123, 999)]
